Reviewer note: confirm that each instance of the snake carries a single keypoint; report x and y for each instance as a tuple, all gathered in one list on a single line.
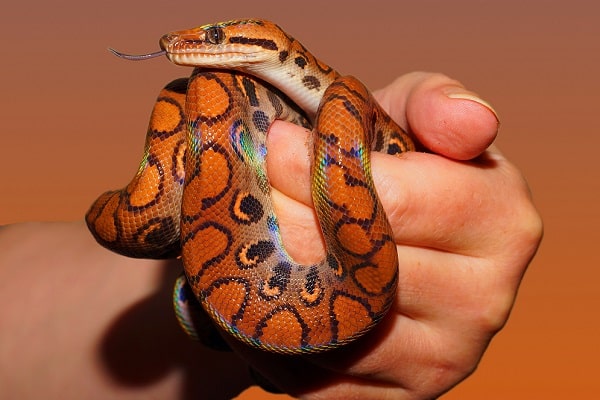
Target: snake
[(202, 192)]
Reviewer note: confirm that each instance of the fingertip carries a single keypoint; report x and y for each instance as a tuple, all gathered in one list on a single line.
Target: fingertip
[(476, 127), (451, 121), (461, 94)]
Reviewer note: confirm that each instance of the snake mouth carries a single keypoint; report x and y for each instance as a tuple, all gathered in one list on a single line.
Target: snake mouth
[(196, 50)]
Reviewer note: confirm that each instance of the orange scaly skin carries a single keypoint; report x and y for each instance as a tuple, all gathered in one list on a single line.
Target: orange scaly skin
[(202, 190)]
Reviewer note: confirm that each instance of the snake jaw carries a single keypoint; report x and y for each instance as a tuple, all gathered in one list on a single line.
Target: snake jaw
[(209, 48)]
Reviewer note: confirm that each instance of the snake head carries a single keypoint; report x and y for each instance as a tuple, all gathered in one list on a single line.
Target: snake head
[(232, 44)]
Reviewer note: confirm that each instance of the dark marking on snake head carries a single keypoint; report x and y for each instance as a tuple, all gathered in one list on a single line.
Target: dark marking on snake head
[(300, 61), (311, 82), (264, 43), (283, 55)]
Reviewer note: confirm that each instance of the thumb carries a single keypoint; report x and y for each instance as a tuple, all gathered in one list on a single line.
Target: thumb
[(444, 116)]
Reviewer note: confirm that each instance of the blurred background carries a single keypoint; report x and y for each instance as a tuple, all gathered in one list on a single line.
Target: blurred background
[(73, 120)]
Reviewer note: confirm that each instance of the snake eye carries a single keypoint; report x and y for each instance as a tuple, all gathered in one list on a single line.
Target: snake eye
[(215, 35)]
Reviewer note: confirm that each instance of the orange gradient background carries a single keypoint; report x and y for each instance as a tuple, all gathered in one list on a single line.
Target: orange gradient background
[(73, 120)]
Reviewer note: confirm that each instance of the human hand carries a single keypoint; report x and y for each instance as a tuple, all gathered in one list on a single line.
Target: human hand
[(465, 229)]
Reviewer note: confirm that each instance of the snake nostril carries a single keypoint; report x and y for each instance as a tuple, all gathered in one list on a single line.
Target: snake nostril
[(166, 40)]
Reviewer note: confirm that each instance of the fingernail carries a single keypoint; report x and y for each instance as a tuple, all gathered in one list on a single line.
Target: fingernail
[(472, 97)]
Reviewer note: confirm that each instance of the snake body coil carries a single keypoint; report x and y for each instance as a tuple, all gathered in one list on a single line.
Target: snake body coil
[(202, 190)]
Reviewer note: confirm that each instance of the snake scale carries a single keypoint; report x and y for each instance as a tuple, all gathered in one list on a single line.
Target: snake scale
[(202, 192)]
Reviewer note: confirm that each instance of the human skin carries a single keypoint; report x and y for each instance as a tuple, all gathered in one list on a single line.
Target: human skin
[(81, 322)]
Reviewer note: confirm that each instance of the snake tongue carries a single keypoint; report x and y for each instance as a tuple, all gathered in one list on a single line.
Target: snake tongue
[(138, 57)]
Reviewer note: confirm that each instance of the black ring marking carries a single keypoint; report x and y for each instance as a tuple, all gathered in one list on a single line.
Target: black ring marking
[(276, 103), (177, 178), (211, 76), (178, 86), (250, 255), (385, 289), (216, 284), (336, 266), (261, 121), (250, 90), (219, 257), (151, 160), (245, 208), (274, 287), (153, 235), (166, 134), (313, 291), (333, 318), (209, 201), (304, 338)]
